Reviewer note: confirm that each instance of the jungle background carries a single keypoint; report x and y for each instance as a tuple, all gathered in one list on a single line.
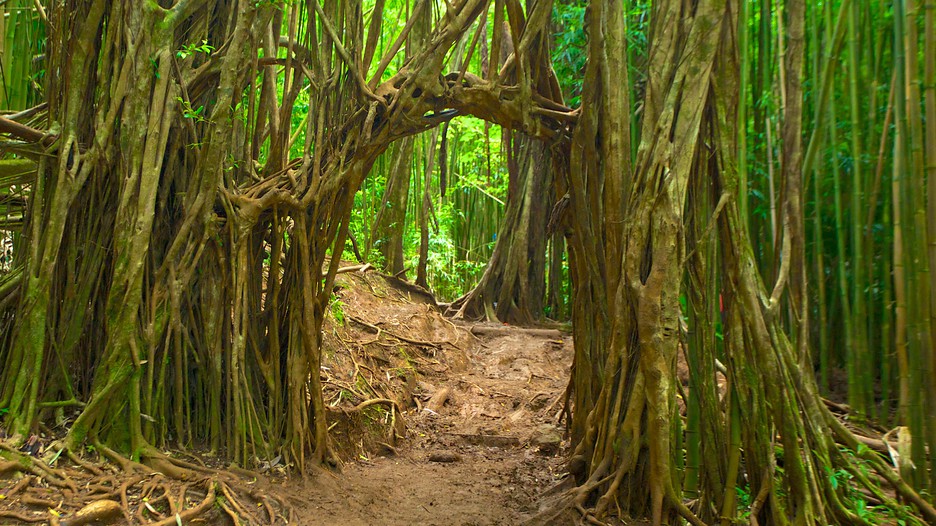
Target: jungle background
[(728, 206)]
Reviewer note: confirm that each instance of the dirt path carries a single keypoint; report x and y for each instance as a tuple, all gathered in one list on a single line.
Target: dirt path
[(482, 459)]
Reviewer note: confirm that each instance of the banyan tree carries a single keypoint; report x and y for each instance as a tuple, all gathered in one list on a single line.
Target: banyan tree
[(173, 270), (668, 217)]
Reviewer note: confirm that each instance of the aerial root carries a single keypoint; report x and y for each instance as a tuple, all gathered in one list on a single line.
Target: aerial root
[(686, 513), (235, 503), (21, 517), (87, 466), (19, 486), (186, 516), (84, 493), (11, 465), (24, 463), (90, 514), (587, 517), (761, 498)]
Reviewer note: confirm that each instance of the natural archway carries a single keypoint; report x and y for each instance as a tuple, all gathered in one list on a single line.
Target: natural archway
[(210, 235)]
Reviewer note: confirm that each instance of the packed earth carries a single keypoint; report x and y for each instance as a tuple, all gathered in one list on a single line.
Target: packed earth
[(482, 439)]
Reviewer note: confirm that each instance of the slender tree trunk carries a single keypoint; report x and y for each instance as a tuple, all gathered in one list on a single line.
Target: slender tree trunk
[(513, 287), (390, 222), (794, 230), (425, 212), (929, 84)]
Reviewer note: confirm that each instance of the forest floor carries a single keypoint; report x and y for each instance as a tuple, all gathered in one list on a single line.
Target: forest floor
[(479, 440), (482, 443), (483, 459)]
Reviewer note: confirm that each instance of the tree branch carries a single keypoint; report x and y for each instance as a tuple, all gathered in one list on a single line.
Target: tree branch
[(20, 131)]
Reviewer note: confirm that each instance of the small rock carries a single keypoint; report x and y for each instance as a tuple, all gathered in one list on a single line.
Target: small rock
[(547, 438), (444, 456)]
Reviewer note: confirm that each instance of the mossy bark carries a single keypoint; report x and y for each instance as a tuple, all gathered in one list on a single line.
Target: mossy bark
[(513, 286)]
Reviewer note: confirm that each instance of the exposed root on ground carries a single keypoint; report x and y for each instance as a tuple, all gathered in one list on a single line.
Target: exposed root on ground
[(582, 505), (159, 491)]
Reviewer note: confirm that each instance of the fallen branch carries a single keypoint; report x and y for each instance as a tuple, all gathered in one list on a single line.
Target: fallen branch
[(20, 131), (355, 268)]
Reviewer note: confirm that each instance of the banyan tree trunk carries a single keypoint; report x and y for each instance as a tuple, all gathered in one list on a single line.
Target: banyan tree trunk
[(626, 429), (513, 286)]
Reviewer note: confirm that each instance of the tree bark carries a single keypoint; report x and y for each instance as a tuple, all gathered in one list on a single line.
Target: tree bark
[(513, 286), (387, 232)]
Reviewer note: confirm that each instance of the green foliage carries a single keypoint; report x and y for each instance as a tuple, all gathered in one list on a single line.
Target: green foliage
[(569, 49), (466, 218), (838, 478), (337, 309), (22, 55), (190, 49), (196, 114), (744, 501)]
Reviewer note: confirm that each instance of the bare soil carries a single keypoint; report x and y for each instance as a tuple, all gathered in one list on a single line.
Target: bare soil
[(484, 457), (481, 460)]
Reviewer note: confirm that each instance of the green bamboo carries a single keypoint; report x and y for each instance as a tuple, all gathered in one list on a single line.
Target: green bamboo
[(899, 182), (919, 280), (929, 83), (744, 52), (860, 390), (840, 233), (818, 243)]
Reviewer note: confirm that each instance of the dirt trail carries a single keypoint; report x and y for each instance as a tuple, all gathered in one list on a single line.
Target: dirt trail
[(482, 459)]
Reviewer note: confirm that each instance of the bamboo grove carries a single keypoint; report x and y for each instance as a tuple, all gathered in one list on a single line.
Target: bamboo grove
[(749, 183)]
